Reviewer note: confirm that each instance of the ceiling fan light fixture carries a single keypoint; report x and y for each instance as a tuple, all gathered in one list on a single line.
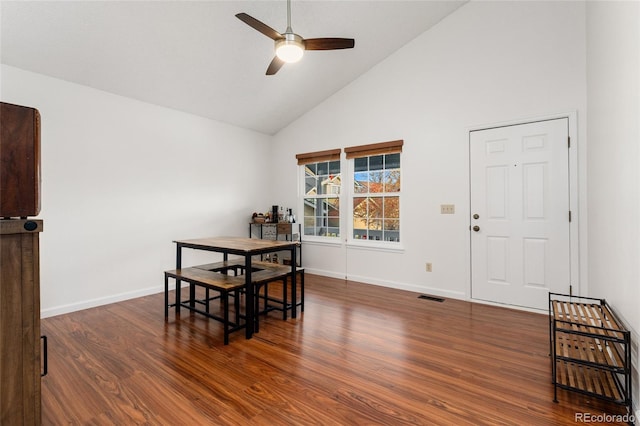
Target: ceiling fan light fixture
[(291, 48)]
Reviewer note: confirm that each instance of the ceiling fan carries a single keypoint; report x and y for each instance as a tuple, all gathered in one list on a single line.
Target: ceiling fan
[(290, 46)]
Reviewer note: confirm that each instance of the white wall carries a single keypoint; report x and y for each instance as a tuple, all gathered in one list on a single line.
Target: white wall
[(121, 180), (613, 70), (486, 63)]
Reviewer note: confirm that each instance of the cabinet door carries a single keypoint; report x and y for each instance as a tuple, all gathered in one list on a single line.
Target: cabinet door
[(19, 161), (19, 324)]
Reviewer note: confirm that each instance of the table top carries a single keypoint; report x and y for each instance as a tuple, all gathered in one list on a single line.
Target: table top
[(237, 245)]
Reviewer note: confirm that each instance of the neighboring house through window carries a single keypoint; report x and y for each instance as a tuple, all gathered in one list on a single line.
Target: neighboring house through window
[(321, 193)]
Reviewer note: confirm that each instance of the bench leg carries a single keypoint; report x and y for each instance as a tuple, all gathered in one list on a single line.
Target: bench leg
[(225, 306), (265, 296), (302, 291), (166, 296), (236, 305), (178, 290), (284, 298), (256, 310)]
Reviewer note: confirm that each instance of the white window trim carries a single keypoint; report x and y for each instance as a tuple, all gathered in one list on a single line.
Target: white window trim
[(369, 244), (315, 238), (346, 214)]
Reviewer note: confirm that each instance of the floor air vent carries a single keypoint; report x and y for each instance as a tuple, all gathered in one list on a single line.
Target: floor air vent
[(432, 298)]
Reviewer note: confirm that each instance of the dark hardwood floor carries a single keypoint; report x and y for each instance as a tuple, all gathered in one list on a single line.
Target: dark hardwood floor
[(359, 355)]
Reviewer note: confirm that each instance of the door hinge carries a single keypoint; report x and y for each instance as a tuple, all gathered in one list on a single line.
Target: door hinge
[(568, 141), (570, 290), (569, 215)]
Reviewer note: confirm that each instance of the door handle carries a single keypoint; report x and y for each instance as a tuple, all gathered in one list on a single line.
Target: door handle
[(45, 356), (476, 228), (476, 216)]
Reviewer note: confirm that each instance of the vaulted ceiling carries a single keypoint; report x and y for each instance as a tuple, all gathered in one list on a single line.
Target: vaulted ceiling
[(197, 57)]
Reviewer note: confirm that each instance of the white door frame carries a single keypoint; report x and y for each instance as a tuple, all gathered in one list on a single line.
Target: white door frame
[(574, 226)]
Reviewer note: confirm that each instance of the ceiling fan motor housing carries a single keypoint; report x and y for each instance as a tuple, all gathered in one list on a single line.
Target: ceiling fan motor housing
[(290, 48)]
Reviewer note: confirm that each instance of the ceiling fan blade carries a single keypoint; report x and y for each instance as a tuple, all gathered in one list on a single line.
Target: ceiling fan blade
[(275, 65), (328, 43), (260, 26)]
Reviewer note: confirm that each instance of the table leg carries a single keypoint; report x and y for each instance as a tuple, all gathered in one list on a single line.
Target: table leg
[(178, 283), (294, 288), (249, 302)]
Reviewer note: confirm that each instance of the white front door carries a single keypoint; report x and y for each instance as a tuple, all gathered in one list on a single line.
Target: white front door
[(520, 241)]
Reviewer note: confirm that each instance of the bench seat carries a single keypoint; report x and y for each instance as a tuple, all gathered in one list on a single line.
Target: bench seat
[(222, 283), (274, 272)]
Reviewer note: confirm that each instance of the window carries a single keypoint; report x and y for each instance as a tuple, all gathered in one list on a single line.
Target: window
[(375, 207), (321, 193)]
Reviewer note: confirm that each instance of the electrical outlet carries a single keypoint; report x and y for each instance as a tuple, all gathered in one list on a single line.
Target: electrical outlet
[(428, 267), (447, 208)]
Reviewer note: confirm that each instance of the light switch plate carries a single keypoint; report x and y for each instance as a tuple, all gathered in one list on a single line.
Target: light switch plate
[(447, 208)]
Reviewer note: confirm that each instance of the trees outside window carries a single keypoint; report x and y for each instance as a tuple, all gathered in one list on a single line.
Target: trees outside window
[(376, 198)]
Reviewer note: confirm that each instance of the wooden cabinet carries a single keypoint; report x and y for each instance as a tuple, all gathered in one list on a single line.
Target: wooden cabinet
[(590, 349), (19, 161), (20, 354)]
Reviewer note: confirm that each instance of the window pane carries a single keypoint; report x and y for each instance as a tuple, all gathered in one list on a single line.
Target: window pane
[(391, 225), (374, 224), (309, 225), (376, 182), (392, 181), (322, 185), (334, 168), (392, 230), (309, 206), (332, 185), (375, 207), (391, 207), (310, 169), (333, 207), (392, 161), (323, 168), (359, 228), (360, 182), (310, 186), (359, 208), (360, 164), (376, 162)]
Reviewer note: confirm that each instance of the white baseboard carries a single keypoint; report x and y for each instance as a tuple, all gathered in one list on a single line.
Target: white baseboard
[(86, 304), (391, 284)]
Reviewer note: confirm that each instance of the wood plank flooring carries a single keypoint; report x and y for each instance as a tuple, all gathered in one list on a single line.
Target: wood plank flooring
[(358, 355)]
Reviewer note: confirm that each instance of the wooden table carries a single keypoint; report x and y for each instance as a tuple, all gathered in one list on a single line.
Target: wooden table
[(246, 247)]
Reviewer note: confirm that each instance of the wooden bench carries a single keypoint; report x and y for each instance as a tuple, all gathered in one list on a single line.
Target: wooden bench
[(262, 274), (270, 272), (223, 267), (210, 280)]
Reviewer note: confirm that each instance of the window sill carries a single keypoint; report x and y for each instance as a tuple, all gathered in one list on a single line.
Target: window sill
[(319, 241), (377, 246), (355, 245)]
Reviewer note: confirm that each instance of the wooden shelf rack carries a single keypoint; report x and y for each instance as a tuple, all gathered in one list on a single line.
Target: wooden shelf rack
[(590, 349)]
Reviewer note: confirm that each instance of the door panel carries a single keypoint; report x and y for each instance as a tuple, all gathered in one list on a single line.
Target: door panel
[(520, 192)]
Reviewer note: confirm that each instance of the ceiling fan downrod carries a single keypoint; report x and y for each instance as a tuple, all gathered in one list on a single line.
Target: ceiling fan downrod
[(288, 30)]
